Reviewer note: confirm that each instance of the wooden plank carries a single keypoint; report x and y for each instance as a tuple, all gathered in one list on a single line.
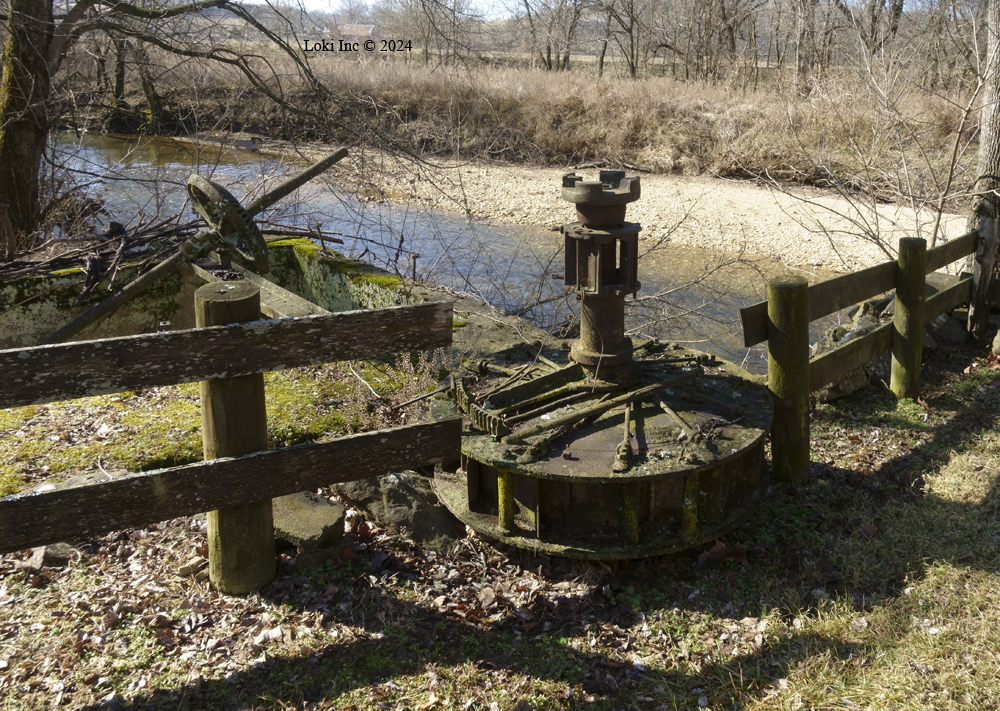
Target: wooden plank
[(275, 302), (830, 296), (947, 299), (837, 363), (949, 252), (754, 320), (70, 370), (825, 298), (141, 499)]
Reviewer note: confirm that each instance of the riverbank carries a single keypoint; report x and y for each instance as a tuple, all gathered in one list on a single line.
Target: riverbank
[(805, 228), (800, 227)]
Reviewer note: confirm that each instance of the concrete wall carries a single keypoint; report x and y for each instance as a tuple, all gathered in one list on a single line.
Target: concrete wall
[(31, 308)]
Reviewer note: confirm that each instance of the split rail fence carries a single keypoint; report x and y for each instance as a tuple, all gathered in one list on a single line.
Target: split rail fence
[(783, 321), (46, 374)]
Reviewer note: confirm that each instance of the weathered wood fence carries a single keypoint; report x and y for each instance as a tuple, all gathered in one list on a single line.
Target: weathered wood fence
[(61, 372), (783, 321)]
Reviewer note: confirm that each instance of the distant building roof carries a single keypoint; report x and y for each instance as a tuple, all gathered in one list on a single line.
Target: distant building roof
[(357, 30)]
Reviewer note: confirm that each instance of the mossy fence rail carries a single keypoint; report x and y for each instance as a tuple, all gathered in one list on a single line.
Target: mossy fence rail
[(61, 372), (783, 321)]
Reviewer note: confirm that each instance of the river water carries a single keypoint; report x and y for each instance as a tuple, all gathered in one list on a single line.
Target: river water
[(698, 293)]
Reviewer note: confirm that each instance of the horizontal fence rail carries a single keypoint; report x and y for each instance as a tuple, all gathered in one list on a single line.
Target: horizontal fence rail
[(84, 368), (141, 499), (839, 362), (830, 296), (784, 319)]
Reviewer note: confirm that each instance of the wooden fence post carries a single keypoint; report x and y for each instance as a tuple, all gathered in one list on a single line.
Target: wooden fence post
[(788, 376), (241, 554), (982, 278), (908, 322)]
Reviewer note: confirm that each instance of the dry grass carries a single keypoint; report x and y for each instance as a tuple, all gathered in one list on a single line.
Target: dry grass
[(869, 129)]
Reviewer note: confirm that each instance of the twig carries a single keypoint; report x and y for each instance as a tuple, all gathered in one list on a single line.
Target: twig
[(351, 366), (417, 399)]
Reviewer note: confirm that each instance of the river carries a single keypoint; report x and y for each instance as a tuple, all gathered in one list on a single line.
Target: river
[(514, 267)]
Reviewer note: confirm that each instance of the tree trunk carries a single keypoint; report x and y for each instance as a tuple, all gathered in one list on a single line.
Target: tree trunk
[(157, 114), (604, 46), (24, 95), (986, 205), (119, 90)]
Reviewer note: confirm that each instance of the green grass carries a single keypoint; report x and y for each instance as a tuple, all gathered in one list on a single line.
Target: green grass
[(161, 427)]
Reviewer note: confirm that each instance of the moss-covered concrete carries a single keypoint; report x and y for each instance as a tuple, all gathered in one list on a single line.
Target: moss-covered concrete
[(34, 307), (331, 280)]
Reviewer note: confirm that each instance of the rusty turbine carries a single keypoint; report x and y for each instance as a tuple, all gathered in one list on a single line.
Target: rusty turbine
[(623, 451)]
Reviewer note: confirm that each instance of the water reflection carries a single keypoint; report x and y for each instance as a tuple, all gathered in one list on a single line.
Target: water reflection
[(516, 268)]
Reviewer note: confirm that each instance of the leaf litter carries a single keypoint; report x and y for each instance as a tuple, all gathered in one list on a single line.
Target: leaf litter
[(133, 623)]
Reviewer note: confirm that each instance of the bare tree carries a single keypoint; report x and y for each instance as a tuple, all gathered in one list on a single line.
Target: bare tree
[(552, 26), (406, 19), (39, 40)]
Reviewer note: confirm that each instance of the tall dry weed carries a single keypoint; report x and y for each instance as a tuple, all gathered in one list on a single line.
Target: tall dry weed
[(862, 127)]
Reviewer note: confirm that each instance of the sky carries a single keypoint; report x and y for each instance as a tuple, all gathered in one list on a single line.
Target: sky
[(485, 7)]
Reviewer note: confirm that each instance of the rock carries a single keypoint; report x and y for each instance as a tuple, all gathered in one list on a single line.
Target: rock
[(874, 371), (929, 342), (953, 331), (996, 343), (192, 566), (880, 369), (308, 521), (56, 555), (937, 322), (311, 558), (853, 382), (406, 503), (864, 323)]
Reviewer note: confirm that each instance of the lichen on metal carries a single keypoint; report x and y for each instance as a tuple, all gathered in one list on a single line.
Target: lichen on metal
[(623, 451)]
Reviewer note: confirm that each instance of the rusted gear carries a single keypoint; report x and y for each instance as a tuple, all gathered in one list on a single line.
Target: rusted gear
[(224, 214)]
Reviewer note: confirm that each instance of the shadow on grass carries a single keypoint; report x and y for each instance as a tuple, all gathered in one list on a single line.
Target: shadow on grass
[(864, 528)]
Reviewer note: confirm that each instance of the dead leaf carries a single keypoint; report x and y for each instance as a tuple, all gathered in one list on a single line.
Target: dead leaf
[(739, 552), (159, 620), (429, 704), (713, 556), (868, 531)]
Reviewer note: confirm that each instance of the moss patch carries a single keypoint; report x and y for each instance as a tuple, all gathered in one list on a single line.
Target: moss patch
[(330, 279), (161, 427), (47, 302)]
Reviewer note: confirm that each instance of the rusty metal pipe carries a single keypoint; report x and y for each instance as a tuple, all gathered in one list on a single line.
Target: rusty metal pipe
[(602, 324)]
